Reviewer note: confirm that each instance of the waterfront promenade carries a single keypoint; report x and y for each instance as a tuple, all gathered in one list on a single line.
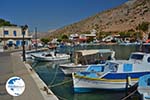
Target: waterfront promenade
[(35, 89)]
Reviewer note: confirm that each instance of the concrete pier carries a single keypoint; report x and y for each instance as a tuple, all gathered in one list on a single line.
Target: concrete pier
[(35, 89)]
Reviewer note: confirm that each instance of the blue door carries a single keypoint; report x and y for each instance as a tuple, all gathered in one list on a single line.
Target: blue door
[(18, 43)]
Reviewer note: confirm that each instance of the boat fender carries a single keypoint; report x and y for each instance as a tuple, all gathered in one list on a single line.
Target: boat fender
[(129, 81)]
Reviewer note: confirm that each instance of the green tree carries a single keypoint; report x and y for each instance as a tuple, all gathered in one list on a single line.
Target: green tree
[(59, 40), (122, 34), (143, 26), (45, 40), (128, 34), (64, 37), (90, 40), (5, 23)]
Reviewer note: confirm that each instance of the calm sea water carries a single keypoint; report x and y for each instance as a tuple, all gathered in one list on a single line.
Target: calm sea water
[(52, 75)]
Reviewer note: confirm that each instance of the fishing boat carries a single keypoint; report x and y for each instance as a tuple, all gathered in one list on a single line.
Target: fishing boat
[(112, 75), (72, 67), (144, 87), (50, 56)]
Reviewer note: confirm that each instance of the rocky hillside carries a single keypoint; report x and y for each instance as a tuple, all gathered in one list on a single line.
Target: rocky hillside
[(122, 18)]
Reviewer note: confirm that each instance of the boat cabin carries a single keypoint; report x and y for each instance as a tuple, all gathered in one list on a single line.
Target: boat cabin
[(137, 63), (140, 57)]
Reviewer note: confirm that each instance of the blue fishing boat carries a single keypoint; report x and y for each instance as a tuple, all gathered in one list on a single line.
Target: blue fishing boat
[(112, 76)]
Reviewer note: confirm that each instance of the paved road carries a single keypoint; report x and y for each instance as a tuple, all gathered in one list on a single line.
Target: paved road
[(13, 66), (6, 71)]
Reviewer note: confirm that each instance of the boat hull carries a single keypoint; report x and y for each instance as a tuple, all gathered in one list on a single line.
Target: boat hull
[(144, 86), (68, 69), (87, 85), (51, 59), (56, 58)]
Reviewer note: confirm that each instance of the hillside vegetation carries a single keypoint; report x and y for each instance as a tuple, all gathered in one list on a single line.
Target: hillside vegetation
[(126, 17)]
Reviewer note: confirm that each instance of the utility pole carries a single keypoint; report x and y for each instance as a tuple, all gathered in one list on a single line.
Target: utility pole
[(36, 38)]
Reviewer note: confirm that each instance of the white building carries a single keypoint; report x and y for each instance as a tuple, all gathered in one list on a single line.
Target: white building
[(13, 36), (73, 36)]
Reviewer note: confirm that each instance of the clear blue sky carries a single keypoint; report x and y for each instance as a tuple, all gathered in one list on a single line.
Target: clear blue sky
[(52, 14)]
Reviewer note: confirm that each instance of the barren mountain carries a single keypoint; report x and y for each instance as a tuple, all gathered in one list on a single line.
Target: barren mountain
[(125, 17)]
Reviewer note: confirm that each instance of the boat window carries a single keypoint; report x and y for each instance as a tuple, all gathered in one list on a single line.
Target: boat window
[(48, 55), (127, 67), (148, 81), (100, 62), (137, 56), (113, 67), (148, 60), (43, 54), (95, 68)]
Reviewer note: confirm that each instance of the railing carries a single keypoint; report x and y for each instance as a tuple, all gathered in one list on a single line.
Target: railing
[(14, 37)]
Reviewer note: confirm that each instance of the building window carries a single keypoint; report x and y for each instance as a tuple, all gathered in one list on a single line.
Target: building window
[(6, 33), (15, 33)]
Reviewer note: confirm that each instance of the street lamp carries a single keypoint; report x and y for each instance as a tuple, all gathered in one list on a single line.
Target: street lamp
[(23, 42)]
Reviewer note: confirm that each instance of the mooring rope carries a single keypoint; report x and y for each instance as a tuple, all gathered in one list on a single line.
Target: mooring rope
[(64, 82), (62, 98), (129, 95), (54, 76)]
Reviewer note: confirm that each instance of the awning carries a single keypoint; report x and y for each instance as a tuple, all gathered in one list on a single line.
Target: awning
[(95, 51)]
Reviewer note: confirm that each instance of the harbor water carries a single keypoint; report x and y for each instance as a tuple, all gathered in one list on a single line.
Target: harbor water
[(62, 85)]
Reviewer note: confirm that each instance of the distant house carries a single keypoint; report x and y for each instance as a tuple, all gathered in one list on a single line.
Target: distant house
[(36, 41), (82, 37), (13, 36), (85, 37), (110, 38), (54, 41), (74, 37)]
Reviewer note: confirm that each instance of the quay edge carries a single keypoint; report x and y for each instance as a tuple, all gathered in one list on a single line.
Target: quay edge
[(41, 87)]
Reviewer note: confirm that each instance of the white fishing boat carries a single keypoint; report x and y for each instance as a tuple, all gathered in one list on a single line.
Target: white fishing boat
[(72, 67), (144, 87), (129, 43), (113, 75), (50, 56)]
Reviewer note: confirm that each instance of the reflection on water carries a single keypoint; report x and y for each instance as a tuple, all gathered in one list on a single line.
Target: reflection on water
[(52, 75)]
